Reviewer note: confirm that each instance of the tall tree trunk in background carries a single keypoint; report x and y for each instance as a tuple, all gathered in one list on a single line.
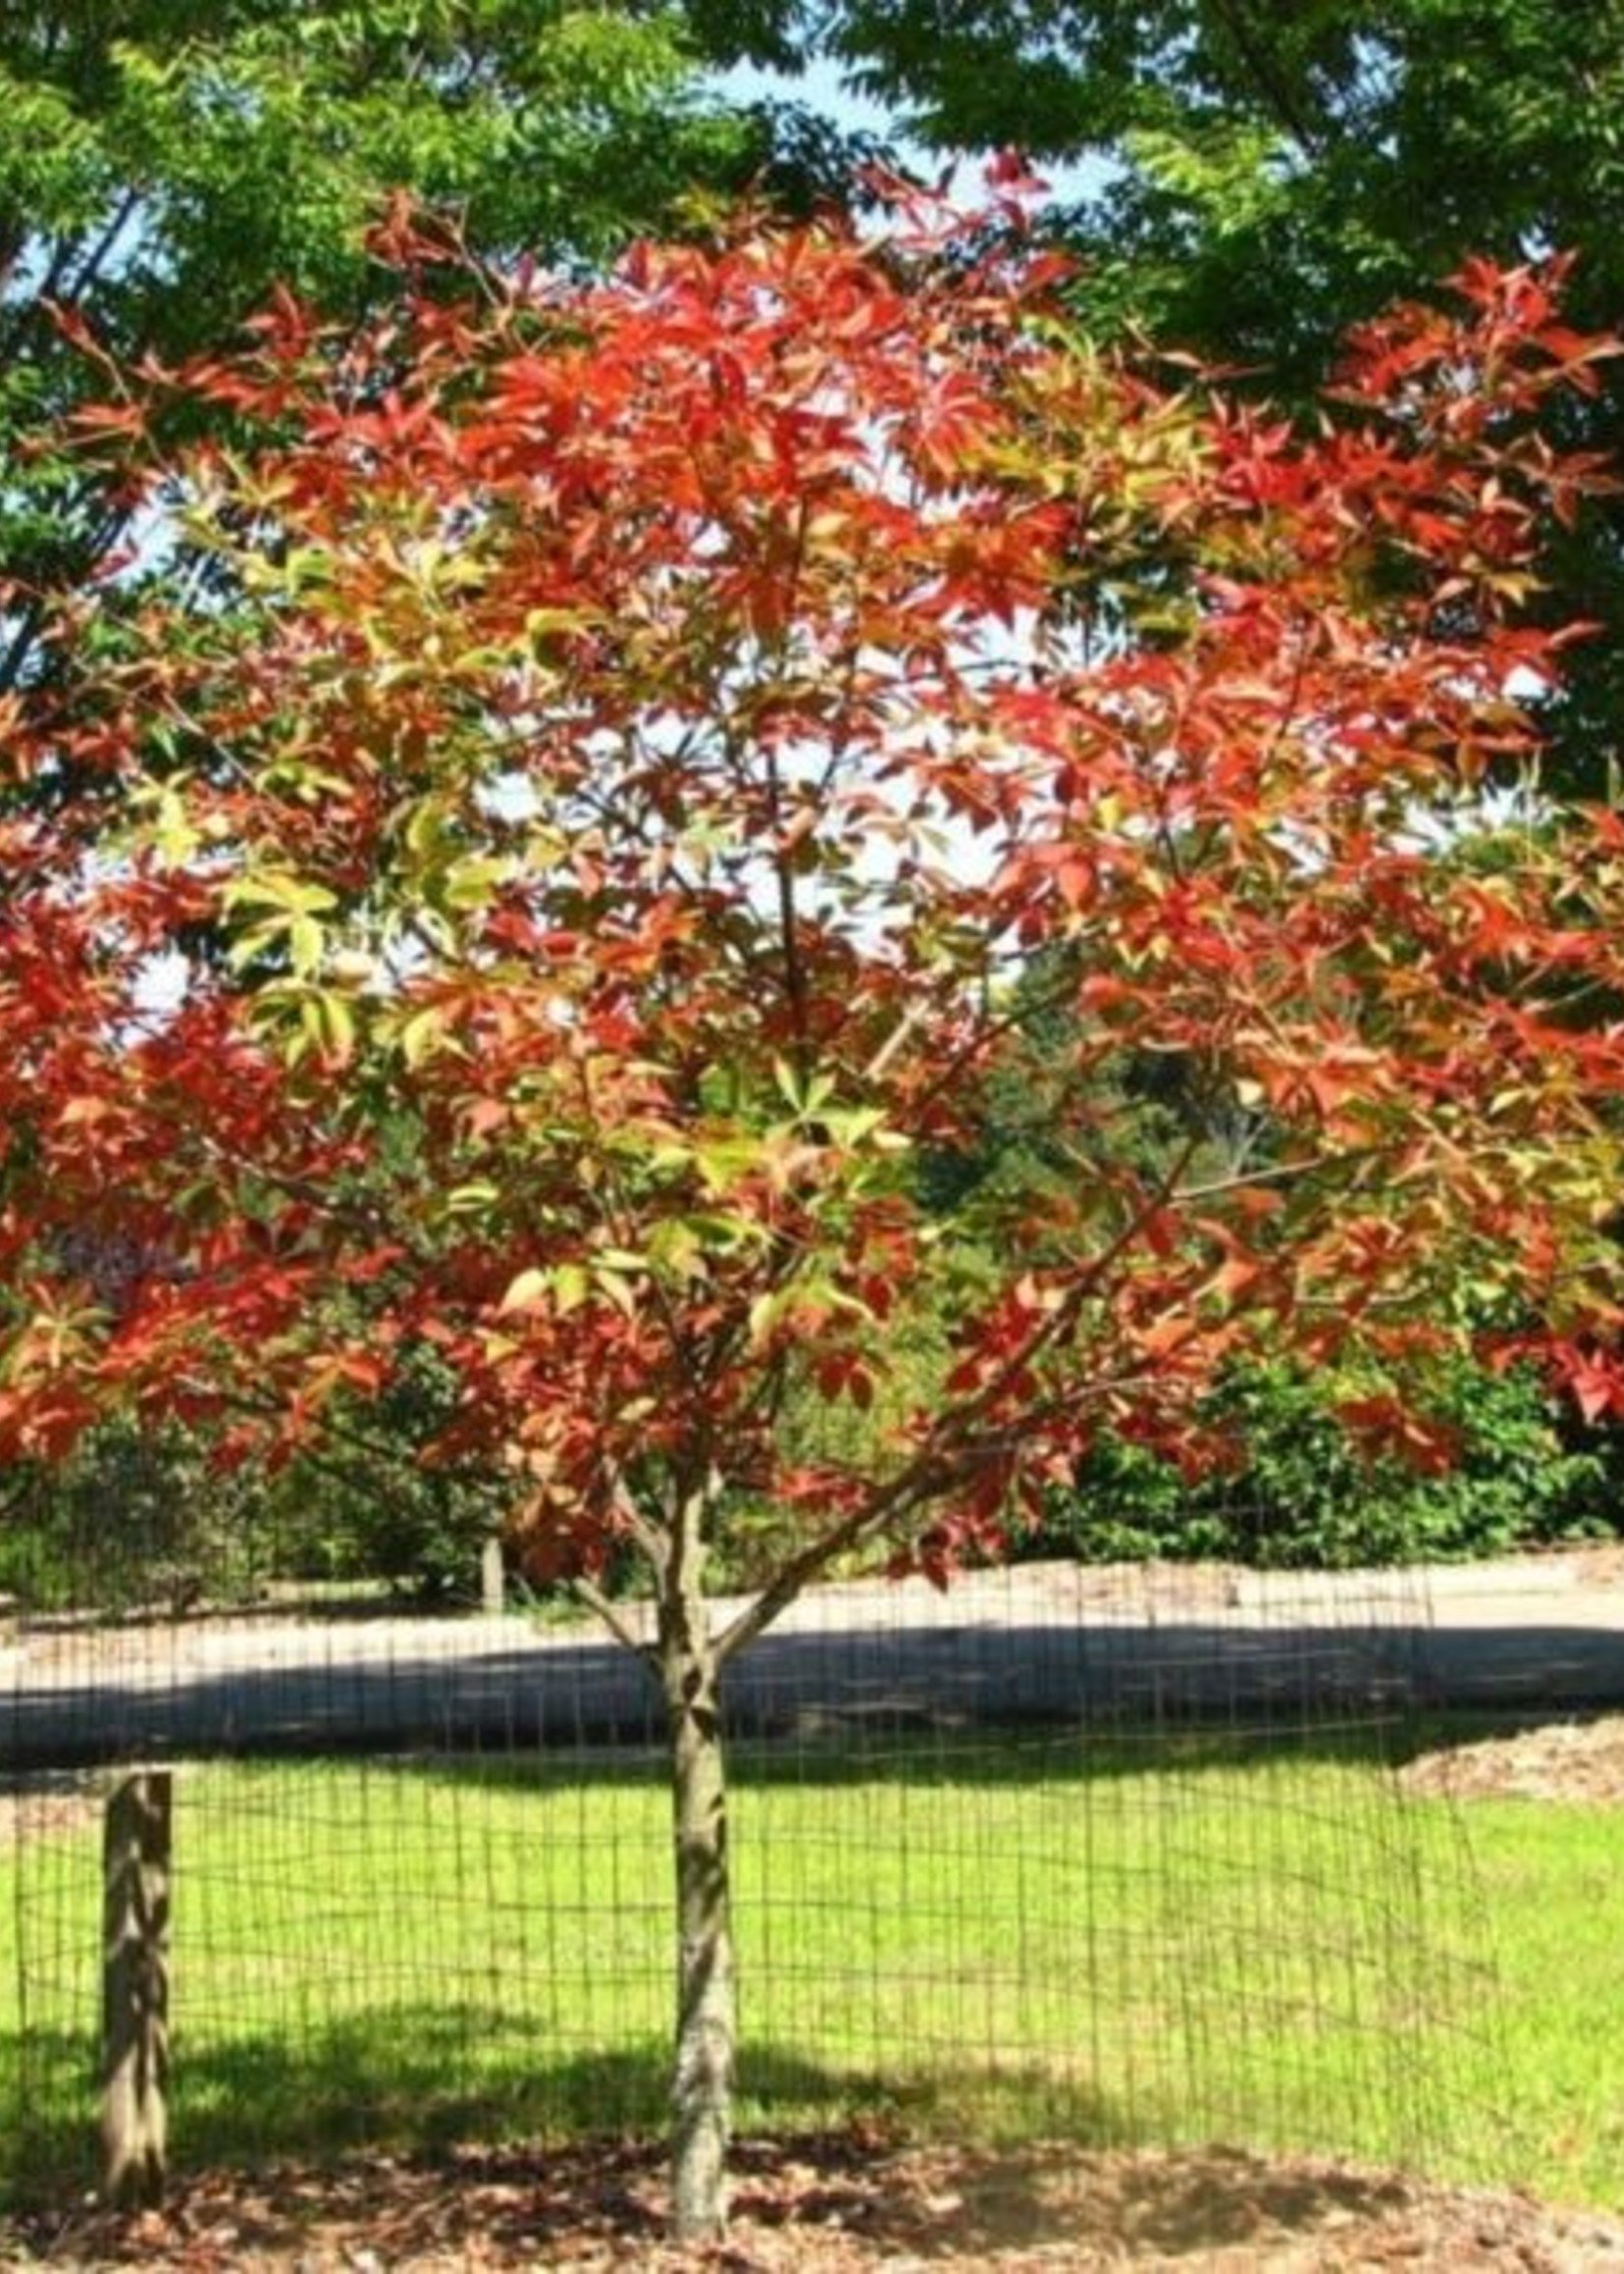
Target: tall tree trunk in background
[(702, 2085)]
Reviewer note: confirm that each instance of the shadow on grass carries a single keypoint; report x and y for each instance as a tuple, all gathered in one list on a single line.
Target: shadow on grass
[(420, 2080), (973, 1756)]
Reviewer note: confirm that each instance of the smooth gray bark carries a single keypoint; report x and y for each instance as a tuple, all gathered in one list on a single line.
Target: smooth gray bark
[(702, 2084)]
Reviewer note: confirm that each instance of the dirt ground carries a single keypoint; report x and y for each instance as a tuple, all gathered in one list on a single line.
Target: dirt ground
[(835, 2204)]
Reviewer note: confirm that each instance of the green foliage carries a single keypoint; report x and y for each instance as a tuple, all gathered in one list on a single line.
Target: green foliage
[(1008, 1170), (145, 1515), (139, 1516), (1307, 1496), (1269, 174), (369, 1508), (164, 165)]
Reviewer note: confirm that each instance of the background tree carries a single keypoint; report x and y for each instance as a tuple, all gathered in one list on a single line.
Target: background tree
[(166, 163), (1271, 174), (640, 734)]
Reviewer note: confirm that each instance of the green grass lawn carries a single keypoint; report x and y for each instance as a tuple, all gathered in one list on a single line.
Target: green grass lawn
[(1024, 1935), (1552, 1880)]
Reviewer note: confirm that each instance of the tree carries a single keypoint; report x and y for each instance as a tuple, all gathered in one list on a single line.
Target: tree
[(641, 731), (1271, 175), (166, 163)]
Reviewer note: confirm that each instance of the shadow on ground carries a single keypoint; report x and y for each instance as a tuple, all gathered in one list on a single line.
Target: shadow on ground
[(570, 1693), (829, 2202), (428, 2081)]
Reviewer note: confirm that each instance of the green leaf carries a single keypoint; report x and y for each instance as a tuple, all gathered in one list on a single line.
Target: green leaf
[(307, 943), (723, 1161), (337, 1022), (788, 1082), (470, 1199), (471, 884), (571, 1285)]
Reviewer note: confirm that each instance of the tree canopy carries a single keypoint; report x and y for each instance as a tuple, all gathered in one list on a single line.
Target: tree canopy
[(579, 861)]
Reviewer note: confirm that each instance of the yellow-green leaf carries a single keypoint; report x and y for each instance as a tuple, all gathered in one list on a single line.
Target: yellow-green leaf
[(526, 1291)]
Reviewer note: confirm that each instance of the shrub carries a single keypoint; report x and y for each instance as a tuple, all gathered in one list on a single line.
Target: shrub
[(1307, 1496), (139, 1516)]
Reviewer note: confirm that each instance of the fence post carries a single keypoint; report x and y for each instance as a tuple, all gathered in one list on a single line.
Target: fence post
[(135, 1988), (492, 1587)]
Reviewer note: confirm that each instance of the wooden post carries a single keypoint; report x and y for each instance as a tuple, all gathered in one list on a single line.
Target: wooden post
[(134, 1984)]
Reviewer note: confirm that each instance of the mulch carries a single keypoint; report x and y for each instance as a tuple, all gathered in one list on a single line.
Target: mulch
[(830, 2204), (1570, 1760)]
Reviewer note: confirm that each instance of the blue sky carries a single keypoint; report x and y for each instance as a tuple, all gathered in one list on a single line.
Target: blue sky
[(820, 88)]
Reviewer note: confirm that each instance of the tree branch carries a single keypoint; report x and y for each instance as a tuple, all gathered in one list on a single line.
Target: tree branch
[(613, 1616), (915, 1489), (939, 1459), (1253, 49)]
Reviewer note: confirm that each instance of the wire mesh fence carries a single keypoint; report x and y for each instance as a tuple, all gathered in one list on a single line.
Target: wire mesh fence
[(1108, 1852)]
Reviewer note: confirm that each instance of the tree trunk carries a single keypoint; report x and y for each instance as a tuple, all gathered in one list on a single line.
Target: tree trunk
[(702, 2085)]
